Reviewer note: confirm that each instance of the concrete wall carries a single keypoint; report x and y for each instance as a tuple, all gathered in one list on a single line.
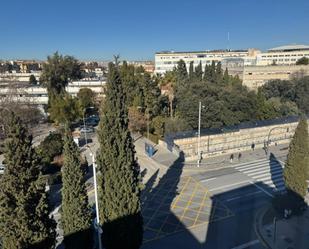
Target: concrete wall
[(231, 142)]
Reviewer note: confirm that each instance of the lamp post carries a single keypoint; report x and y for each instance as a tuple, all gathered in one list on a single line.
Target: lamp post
[(199, 134), (97, 222)]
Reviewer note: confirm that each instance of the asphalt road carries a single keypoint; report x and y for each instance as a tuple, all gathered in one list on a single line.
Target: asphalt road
[(233, 189)]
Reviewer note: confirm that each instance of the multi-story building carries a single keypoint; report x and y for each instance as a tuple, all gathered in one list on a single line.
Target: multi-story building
[(255, 76), (167, 60), (283, 55)]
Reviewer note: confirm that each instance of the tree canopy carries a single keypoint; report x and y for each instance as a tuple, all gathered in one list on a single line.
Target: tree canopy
[(57, 72), (119, 184)]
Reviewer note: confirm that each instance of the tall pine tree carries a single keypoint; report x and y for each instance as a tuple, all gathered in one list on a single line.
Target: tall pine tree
[(119, 177), (24, 211), (191, 71), (297, 165), (198, 74), (75, 212)]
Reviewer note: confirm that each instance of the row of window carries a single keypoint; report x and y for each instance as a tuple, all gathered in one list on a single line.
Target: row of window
[(282, 55)]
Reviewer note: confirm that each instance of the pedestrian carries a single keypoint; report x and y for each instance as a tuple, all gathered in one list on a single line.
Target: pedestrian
[(239, 156), (231, 158), (252, 146)]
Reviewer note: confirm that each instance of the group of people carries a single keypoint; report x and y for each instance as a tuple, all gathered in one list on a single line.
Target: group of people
[(232, 157)]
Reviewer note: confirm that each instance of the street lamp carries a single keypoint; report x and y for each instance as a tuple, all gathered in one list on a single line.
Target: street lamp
[(97, 222), (199, 134)]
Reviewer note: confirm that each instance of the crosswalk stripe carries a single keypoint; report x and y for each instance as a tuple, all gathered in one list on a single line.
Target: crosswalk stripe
[(264, 171), (256, 165), (265, 168), (252, 162), (251, 165)]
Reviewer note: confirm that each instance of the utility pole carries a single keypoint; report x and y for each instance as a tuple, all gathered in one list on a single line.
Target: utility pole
[(199, 134)]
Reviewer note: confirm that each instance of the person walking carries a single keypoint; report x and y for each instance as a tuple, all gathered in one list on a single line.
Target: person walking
[(231, 158), (239, 156)]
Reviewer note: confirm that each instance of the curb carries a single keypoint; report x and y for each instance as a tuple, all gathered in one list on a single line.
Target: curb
[(258, 216)]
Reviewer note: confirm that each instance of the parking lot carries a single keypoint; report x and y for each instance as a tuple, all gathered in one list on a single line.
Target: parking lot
[(174, 206)]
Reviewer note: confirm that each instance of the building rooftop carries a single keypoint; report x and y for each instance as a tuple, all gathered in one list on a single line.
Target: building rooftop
[(289, 48), (199, 52)]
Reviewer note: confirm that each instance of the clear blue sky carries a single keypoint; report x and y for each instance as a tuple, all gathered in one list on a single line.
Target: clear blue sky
[(136, 29)]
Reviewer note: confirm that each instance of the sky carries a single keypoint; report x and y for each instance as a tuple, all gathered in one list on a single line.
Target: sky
[(136, 29)]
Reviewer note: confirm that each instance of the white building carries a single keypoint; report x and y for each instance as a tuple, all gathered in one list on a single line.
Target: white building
[(167, 60), (283, 55)]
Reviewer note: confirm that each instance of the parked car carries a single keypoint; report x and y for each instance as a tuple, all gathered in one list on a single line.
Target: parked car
[(86, 129), (1, 169), (91, 122)]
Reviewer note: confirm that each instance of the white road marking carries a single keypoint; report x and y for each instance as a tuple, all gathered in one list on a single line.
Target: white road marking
[(240, 196), (229, 185), (262, 189), (246, 245), (209, 179)]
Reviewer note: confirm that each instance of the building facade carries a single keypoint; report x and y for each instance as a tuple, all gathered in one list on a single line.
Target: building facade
[(283, 55), (167, 60)]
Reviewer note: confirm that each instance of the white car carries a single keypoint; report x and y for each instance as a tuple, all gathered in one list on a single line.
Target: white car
[(86, 129), (1, 169)]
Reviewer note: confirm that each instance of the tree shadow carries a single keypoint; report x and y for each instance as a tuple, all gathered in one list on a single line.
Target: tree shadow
[(276, 171)]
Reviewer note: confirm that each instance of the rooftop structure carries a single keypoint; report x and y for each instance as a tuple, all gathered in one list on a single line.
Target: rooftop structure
[(289, 48)]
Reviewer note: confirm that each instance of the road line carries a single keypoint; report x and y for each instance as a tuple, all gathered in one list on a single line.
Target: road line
[(240, 196), (246, 245), (209, 179), (262, 190), (229, 185)]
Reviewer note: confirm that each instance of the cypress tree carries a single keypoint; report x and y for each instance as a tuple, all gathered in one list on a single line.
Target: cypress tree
[(219, 73), (75, 212), (191, 71), (198, 72), (181, 73), (24, 211), (226, 77), (296, 167), (119, 175), (207, 73)]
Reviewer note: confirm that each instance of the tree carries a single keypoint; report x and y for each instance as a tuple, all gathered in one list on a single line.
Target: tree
[(57, 72), (32, 80), (75, 212), (64, 109), (198, 74), (181, 73), (137, 120), (22, 195), (296, 167), (119, 178), (51, 146), (85, 97), (191, 71), (302, 61), (226, 77)]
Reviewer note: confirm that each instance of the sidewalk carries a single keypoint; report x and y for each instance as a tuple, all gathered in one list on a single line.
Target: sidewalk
[(218, 162), (282, 233)]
